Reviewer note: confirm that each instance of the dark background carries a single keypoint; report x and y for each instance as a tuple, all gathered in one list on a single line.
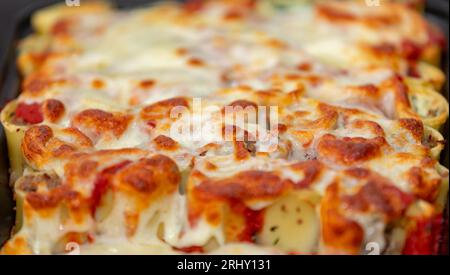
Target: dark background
[(11, 10), (8, 10)]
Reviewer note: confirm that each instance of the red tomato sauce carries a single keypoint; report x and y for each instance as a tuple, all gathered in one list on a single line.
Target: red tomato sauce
[(424, 238), (29, 113), (102, 183)]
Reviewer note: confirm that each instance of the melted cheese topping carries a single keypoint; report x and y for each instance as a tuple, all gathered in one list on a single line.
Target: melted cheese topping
[(354, 147)]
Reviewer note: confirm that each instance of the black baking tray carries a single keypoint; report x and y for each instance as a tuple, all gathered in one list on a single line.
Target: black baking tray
[(437, 11)]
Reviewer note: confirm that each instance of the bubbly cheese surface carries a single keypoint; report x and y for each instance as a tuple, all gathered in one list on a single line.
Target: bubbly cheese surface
[(345, 155)]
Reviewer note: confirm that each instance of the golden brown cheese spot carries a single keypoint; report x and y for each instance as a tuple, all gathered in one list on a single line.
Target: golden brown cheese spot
[(38, 82), (238, 10), (213, 213), (333, 14), (338, 231), (58, 148), (98, 84), (351, 112), (46, 200), (397, 84), (82, 166), (372, 126), (336, 14), (165, 143), (313, 80), (414, 126), (39, 144), (53, 110), (377, 194), (306, 67), (198, 175), (39, 58), (428, 162), (209, 197), (210, 166), (341, 233), (62, 150), (34, 142), (147, 84), (282, 128), (358, 172), (233, 225), (304, 137), (162, 109), (274, 97), (311, 170), (275, 43), (62, 27), (158, 174), (349, 150), (367, 90), (196, 62), (17, 245), (233, 14), (383, 49), (327, 120), (35, 84), (80, 139), (252, 184), (328, 110), (409, 50), (422, 186), (87, 168), (181, 51), (298, 92), (100, 122), (80, 169), (193, 6)]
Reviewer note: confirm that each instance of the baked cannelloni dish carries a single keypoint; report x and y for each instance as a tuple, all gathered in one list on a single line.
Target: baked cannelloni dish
[(229, 127)]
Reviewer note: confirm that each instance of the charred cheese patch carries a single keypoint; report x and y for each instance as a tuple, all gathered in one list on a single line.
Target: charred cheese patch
[(348, 151), (98, 123)]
